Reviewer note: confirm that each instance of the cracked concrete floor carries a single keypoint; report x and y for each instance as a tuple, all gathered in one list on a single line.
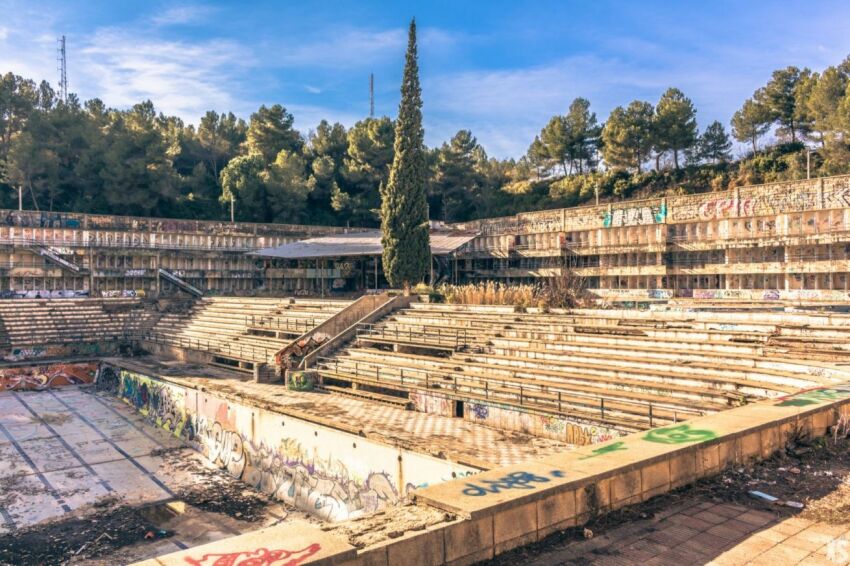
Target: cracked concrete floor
[(69, 453)]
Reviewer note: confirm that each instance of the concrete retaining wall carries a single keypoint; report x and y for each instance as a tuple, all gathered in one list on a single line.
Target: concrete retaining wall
[(509, 507), (329, 473), (506, 417)]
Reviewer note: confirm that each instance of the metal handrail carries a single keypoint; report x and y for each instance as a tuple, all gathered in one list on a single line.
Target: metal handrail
[(443, 380), (456, 337), (224, 348), (267, 322)]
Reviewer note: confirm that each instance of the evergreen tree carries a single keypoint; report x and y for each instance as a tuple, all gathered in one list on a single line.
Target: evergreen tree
[(457, 183), (675, 124), (270, 131), (823, 101), (750, 122), (583, 134), (404, 209), (779, 97), (628, 135), (366, 168), (714, 144)]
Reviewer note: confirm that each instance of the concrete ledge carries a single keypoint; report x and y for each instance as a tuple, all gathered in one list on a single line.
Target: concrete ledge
[(288, 543), (512, 506), (645, 464)]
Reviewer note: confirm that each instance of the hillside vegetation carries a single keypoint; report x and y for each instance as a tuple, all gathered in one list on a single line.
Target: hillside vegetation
[(86, 157)]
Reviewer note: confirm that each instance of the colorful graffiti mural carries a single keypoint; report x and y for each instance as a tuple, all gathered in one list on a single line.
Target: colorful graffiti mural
[(635, 216), (37, 378), (295, 467), (507, 417)]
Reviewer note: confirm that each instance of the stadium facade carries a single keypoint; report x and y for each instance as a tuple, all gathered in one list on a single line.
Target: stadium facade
[(772, 241)]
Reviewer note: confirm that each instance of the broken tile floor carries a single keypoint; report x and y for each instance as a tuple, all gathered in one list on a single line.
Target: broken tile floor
[(69, 453), (704, 532)]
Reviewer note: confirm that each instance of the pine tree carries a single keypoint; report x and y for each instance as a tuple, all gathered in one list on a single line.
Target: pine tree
[(714, 144), (404, 207)]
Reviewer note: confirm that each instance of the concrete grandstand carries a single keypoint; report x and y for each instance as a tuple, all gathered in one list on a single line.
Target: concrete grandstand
[(455, 432)]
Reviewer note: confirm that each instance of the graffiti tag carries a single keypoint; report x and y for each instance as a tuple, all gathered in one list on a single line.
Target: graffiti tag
[(679, 435), (614, 447), (813, 397), (258, 557), (514, 480)]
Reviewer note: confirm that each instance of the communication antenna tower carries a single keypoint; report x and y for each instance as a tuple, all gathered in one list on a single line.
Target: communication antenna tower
[(371, 95), (63, 70)]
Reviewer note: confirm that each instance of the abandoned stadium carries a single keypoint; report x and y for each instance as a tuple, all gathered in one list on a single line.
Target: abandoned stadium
[(172, 367)]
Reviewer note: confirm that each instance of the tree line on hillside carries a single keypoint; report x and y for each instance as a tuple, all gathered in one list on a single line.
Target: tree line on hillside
[(87, 157)]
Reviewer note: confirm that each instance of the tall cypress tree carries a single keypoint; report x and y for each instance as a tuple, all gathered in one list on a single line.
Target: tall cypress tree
[(404, 206)]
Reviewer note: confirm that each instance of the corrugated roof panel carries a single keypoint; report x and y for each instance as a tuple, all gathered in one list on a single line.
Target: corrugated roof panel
[(357, 244)]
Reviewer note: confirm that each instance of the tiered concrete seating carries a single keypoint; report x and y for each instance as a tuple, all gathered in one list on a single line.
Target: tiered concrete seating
[(42, 322), (624, 368), (242, 329)]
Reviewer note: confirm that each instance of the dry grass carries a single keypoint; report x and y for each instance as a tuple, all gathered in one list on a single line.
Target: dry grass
[(554, 294), (490, 293)]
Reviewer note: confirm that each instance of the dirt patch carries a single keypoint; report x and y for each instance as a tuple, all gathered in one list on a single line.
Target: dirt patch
[(77, 538), (215, 491), (108, 525), (53, 418)]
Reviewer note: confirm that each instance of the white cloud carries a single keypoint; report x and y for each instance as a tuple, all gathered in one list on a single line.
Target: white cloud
[(341, 48), (4, 33), (182, 15), (180, 77)]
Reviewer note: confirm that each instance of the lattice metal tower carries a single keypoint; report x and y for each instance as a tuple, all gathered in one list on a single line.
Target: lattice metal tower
[(63, 69)]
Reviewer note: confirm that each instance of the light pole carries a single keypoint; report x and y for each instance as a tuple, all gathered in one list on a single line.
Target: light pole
[(809, 153), (596, 192)]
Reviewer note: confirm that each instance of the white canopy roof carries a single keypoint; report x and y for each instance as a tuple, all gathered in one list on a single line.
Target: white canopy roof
[(366, 243)]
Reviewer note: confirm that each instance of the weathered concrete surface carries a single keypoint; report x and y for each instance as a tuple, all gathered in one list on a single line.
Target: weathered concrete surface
[(72, 454), (457, 440), (332, 474), (61, 450), (286, 544)]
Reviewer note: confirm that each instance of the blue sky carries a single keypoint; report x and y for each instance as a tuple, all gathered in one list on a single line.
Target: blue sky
[(500, 69)]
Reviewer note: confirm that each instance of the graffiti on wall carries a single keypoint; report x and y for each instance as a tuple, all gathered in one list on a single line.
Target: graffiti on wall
[(432, 404), (162, 404), (607, 449), (548, 426), (680, 434), (814, 397), (256, 557), (42, 377), (513, 480), (716, 209), (322, 485), (635, 216), (20, 354), (64, 350)]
